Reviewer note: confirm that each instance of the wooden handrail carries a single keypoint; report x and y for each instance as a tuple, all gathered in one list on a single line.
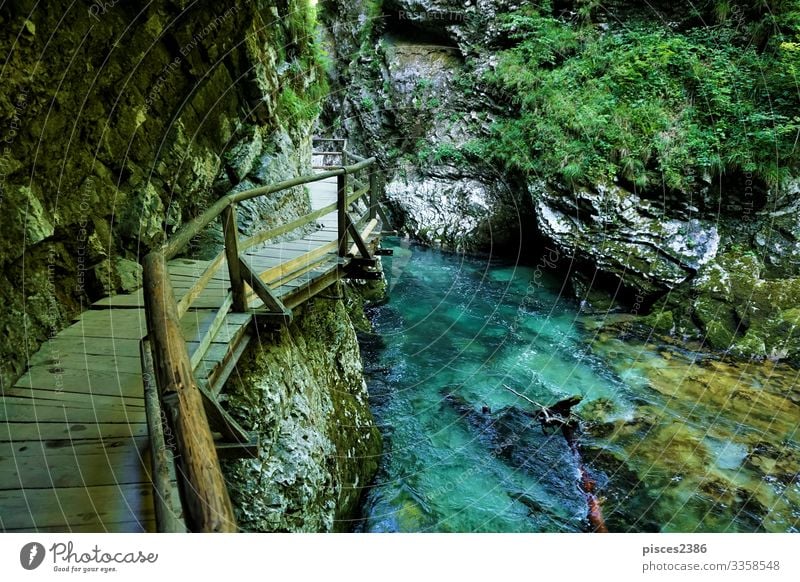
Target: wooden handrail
[(356, 157), (191, 229), (286, 184)]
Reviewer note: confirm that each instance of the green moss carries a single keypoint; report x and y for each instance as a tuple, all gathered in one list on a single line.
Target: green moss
[(719, 335), (782, 334), (737, 309), (295, 108), (752, 345), (661, 321)]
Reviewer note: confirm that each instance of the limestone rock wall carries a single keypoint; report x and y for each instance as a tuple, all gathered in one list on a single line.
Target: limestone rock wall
[(303, 392), (398, 96)]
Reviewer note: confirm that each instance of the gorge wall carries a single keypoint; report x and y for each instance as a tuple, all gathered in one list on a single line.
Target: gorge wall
[(593, 139)]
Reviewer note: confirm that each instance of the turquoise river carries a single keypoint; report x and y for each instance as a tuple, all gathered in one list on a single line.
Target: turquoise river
[(673, 439)]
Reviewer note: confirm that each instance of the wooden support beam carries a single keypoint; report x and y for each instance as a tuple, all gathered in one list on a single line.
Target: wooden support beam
[(220, 375), (201, 350), (160, 457), (230, 451), (206, 503), (271, 302), (341, 212), (361, 263), (359, 242), (384, 219), (232, 254), (303, 294), (219, 419), (362, 275), (365, 234)]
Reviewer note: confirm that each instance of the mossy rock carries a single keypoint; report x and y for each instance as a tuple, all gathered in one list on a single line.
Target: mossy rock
[(717, 320), (751, 346), (744, 271), (661, 321), (782, 334), (718, 335)]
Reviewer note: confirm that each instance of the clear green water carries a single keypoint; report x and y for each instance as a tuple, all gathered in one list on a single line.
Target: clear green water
[(675, 440)]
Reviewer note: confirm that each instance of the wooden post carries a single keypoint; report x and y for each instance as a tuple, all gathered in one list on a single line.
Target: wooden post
[(160, 458), (341, 210), (206, 503), (232, 255), (374, 193)]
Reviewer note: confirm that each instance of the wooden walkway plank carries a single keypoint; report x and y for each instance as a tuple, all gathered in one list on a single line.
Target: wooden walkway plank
[(75, 506), (136, 446), (40, 471), (120, 301), (60, 347), (29, 431), (142, 526), (93, 382), (48, 396), (109, 323), (23, 412), (36, 404), (91, 363)]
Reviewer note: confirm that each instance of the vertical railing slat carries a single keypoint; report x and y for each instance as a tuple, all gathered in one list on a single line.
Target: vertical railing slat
[(374, 193), (231, 232), (341, 211)]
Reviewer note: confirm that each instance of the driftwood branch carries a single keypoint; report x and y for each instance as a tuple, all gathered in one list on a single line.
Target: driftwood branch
[(546, 414)]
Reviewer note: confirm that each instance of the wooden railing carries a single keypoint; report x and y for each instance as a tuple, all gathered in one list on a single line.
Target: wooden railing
[(174, 399)]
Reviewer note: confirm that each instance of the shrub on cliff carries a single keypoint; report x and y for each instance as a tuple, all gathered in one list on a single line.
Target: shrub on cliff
[(650, 102)]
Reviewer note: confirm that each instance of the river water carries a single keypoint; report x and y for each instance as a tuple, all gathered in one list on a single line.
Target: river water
[(672, 439)]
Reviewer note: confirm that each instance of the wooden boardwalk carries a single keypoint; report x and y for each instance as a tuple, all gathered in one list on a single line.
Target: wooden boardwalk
[(75, 450)]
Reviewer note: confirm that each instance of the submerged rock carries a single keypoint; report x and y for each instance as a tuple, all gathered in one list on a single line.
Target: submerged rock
[(715, 439), (518, 438)]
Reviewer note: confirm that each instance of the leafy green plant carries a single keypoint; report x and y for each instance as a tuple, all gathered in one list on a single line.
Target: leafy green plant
[(646, 103), (296, 108)]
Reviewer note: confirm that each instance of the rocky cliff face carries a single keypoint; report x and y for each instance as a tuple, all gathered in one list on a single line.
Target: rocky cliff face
[(401, 99), (303, 393), (117, 123), (686, 260)]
